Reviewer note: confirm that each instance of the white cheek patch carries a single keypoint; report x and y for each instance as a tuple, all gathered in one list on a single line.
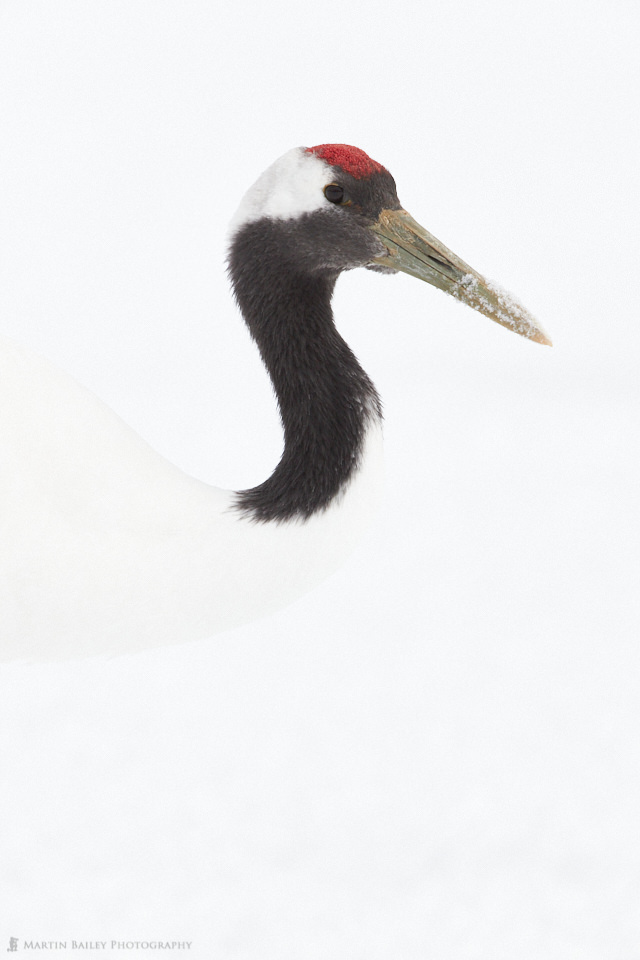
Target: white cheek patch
[(291, 186)]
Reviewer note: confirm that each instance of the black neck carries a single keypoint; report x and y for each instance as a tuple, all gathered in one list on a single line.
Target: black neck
[(326, 399)]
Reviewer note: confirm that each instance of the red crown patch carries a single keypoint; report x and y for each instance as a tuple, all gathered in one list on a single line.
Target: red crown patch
[(350, 159)]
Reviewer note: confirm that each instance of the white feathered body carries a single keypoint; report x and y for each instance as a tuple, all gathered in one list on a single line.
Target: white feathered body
[(105, 546)]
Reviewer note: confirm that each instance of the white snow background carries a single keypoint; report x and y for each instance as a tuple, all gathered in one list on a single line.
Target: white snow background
[(435, 755)]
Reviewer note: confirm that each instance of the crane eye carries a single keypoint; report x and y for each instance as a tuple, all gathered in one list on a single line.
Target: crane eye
[(334, 193)]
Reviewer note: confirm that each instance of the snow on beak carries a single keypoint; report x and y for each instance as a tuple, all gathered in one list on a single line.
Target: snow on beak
[(413, 250)]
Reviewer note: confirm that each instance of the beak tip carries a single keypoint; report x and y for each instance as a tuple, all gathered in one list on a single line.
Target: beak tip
[(538, 334)]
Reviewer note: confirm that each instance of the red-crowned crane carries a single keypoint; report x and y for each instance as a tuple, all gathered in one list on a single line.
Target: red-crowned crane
[(105, 546)]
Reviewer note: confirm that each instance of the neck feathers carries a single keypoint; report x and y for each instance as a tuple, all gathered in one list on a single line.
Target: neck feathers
[(326, 400)]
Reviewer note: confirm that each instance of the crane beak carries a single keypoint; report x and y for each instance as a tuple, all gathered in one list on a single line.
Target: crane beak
[(413, 250)]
